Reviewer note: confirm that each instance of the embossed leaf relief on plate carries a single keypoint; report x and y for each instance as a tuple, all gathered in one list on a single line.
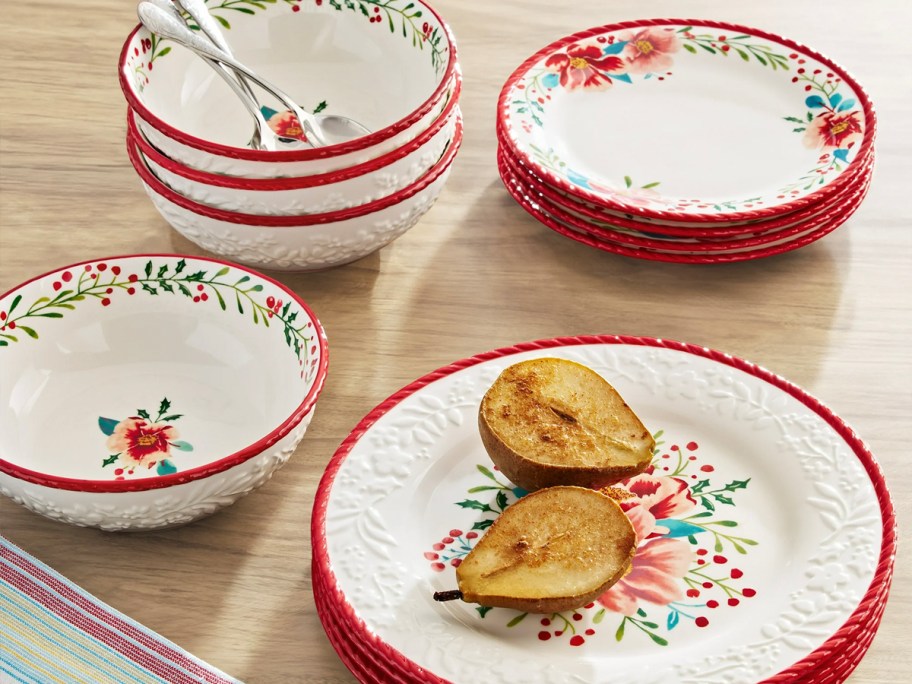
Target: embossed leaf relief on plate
[(760, 531)]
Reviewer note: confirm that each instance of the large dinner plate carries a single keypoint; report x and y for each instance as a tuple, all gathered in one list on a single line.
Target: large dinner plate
[(767, 532), (687, 120)]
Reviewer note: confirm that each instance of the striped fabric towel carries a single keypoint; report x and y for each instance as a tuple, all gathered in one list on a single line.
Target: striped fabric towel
[(53, 631)]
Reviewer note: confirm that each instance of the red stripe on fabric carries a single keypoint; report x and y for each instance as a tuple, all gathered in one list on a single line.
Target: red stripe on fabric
[(115, 626)]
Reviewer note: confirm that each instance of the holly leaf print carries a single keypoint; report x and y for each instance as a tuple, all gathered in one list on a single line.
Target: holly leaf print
[(476, 505), (109, 460), (142, 413)]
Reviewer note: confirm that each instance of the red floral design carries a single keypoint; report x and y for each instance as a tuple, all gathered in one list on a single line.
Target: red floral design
[(583, 67), (138, 439), (654, 577), (648, 50), (286, 125), (655, 498), (833, 130)]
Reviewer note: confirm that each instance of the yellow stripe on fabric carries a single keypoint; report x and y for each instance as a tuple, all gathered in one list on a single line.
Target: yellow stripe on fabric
[(102, 663), (8, 639)]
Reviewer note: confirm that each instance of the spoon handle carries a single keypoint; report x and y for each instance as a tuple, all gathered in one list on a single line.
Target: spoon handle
[(162, 23), (199, 12), (207, 23)]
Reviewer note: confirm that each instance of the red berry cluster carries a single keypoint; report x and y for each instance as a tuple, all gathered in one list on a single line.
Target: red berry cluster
[(689, 447), (557, 626), (441, 554), (376, 18), (202, 296), (731, 593), (273, 305)]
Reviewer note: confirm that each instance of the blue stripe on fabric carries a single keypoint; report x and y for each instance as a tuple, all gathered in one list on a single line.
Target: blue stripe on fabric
[(26, 668), (67, 644), (88, 616), (152, 636), (9, 668)]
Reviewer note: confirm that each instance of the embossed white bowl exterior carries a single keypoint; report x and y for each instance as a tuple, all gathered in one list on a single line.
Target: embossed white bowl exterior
[(300, 248), (155, 508), (305, 243), (245, 168), (353, 192), (87, 351)]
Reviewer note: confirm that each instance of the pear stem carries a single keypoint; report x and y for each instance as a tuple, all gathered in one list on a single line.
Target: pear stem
[(451, 595)]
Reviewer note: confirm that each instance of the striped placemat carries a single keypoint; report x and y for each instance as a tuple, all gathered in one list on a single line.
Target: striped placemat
[(53, 631)]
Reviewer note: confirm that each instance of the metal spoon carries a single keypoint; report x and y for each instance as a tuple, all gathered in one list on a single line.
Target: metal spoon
[(263, 137), (339, 128), (164, 23)]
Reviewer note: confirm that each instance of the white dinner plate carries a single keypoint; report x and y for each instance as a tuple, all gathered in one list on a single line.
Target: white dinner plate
[(766, 526), (687, 120)]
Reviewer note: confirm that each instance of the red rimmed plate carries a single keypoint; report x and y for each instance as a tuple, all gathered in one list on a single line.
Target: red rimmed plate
[(644, 245), (588, 212), (531, 207), (410, 490), (740, 124)]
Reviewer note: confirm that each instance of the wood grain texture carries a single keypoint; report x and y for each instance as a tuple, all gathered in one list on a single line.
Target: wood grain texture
[(475, 274)]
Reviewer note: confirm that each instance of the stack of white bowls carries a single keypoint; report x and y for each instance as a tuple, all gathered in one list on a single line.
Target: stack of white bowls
[(390, 67)]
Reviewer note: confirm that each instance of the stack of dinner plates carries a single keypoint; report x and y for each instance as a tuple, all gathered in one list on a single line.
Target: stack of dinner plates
[(766, 533), (684, 140)]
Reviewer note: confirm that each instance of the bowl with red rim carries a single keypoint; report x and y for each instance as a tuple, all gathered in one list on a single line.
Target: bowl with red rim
[(318, 193), (304, 242), (172, 386), (392, 67)]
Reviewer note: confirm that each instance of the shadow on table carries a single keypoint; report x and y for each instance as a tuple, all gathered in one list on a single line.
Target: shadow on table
[(523, 281)]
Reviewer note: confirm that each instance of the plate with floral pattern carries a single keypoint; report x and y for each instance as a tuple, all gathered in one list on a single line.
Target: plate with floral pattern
[(765, 524), (687, 120)]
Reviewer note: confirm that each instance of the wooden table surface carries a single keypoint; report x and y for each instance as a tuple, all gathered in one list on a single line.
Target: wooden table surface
[(476, 273)]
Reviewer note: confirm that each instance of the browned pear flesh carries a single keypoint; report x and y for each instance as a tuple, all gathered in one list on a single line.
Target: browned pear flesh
[(553, 550), (547, 422)]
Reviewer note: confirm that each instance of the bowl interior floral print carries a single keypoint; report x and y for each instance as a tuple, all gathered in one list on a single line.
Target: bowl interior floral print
[(830, 121), (685, 568), (146, 442), (140, 443)]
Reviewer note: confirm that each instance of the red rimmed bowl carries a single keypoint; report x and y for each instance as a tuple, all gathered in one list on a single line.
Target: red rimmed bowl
[(391, 68), (300, 242), (147, 391), (320, 193)]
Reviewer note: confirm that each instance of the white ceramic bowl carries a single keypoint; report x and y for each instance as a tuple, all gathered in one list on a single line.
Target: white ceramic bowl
[(392, 68), (146, 391), (315, 194), (299, 243)]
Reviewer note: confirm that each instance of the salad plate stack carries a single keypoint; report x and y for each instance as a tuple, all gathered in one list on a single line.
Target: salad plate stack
[(685, 141)]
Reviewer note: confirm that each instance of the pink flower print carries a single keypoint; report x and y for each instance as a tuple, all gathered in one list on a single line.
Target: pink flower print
[(138, 439), (583, 67), (649, 50), (637, 197), (657, 568), (654, 498), (286, 125), (831, 130)]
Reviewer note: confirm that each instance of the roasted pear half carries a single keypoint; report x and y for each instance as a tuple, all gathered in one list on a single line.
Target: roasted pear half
[(548, 422), (553, 550)]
